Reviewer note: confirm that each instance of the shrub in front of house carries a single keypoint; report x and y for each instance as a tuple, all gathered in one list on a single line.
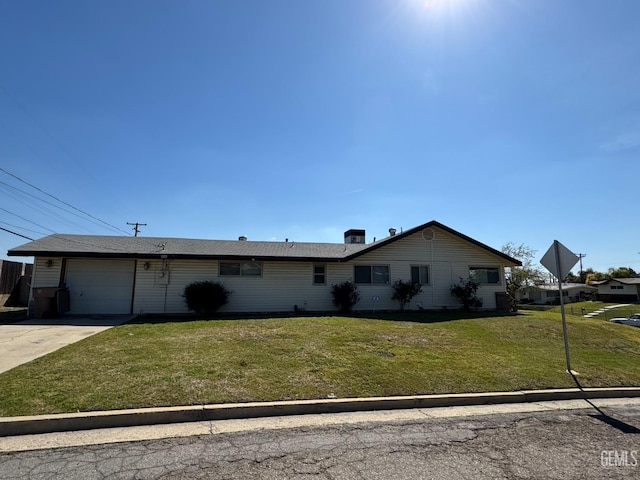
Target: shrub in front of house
[(403, 292), (345, 295), (466, 293), (205, 297)]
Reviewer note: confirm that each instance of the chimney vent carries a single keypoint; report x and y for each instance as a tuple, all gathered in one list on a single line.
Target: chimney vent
[(392, 231), (242, 238), (354, 236)]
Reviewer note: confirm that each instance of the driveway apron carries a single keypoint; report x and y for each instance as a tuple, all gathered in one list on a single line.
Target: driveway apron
[(24, 341)]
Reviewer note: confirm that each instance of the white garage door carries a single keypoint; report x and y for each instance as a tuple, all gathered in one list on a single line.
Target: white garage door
[(100, 286)]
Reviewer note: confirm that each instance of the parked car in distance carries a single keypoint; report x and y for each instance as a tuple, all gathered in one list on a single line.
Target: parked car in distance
[(633, 320)]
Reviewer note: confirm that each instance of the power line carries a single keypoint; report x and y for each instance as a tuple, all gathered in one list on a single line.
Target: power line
[(26, 219), (63, 202), (27, 198), (43, 210), (64, 150), (23, 228), (18, 234)]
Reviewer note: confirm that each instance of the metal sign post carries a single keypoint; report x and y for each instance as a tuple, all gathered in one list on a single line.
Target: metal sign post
[(564, 321), (559, 260)]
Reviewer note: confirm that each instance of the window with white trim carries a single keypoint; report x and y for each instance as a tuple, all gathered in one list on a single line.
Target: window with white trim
[(319, 274), (241, 269), (420, 274), (371, 274), (485, 275)]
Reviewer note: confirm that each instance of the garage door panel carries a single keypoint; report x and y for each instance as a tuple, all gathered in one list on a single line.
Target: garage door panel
[(100, 286)]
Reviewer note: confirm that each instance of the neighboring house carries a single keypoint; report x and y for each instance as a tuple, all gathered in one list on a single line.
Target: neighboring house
[(548, 293), (624, 290), (142, 275)]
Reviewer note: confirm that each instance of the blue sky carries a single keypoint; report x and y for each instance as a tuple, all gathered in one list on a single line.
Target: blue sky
[(508, 120)]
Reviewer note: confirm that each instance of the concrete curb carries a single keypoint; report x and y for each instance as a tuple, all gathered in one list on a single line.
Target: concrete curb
[(10, 426)]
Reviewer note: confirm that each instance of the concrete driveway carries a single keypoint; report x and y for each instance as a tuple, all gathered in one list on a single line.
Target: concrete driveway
[(27, 340)]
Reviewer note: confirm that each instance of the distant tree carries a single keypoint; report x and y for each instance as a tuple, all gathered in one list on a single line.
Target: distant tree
[(571, 278), (519, 279), (404, 292), (622, 272), (593, 276)]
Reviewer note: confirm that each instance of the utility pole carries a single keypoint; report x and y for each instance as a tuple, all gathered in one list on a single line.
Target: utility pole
[(137, 227), (580, 257)]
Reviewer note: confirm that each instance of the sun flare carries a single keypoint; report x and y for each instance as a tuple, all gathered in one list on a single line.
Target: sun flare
[(445, 5), (438, 10), (440, 3)]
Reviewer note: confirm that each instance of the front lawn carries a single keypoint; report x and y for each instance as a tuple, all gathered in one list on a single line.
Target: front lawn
[(581, 308), (160, 363)]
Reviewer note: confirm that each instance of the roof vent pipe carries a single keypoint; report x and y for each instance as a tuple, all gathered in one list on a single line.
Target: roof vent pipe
[(392, 231), (242, 238)]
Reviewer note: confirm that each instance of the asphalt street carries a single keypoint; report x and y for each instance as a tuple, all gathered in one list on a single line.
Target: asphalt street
[(526, 441)]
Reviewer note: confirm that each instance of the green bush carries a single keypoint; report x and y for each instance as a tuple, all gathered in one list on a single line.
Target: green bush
[(345, 295), (205, 297), (465, 291), (403, 292)]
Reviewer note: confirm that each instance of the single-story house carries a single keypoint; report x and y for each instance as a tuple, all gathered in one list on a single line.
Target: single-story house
[(624, 290), (549, 294), (143, 275)]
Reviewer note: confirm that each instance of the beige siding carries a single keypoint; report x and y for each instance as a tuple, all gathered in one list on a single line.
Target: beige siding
[(44, 276), (285, 284), (625, 290), (448, 257), (159, 287), (281, 286)]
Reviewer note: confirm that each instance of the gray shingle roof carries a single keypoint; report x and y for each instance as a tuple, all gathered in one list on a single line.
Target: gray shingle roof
[(626, 281), (62, 245), (113, 246)]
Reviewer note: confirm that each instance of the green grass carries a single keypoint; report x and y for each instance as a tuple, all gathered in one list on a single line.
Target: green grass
[(576, 309), (615, 312), (160, 363)]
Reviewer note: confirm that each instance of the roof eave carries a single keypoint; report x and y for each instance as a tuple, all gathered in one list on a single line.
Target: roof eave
[(160, 255)]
